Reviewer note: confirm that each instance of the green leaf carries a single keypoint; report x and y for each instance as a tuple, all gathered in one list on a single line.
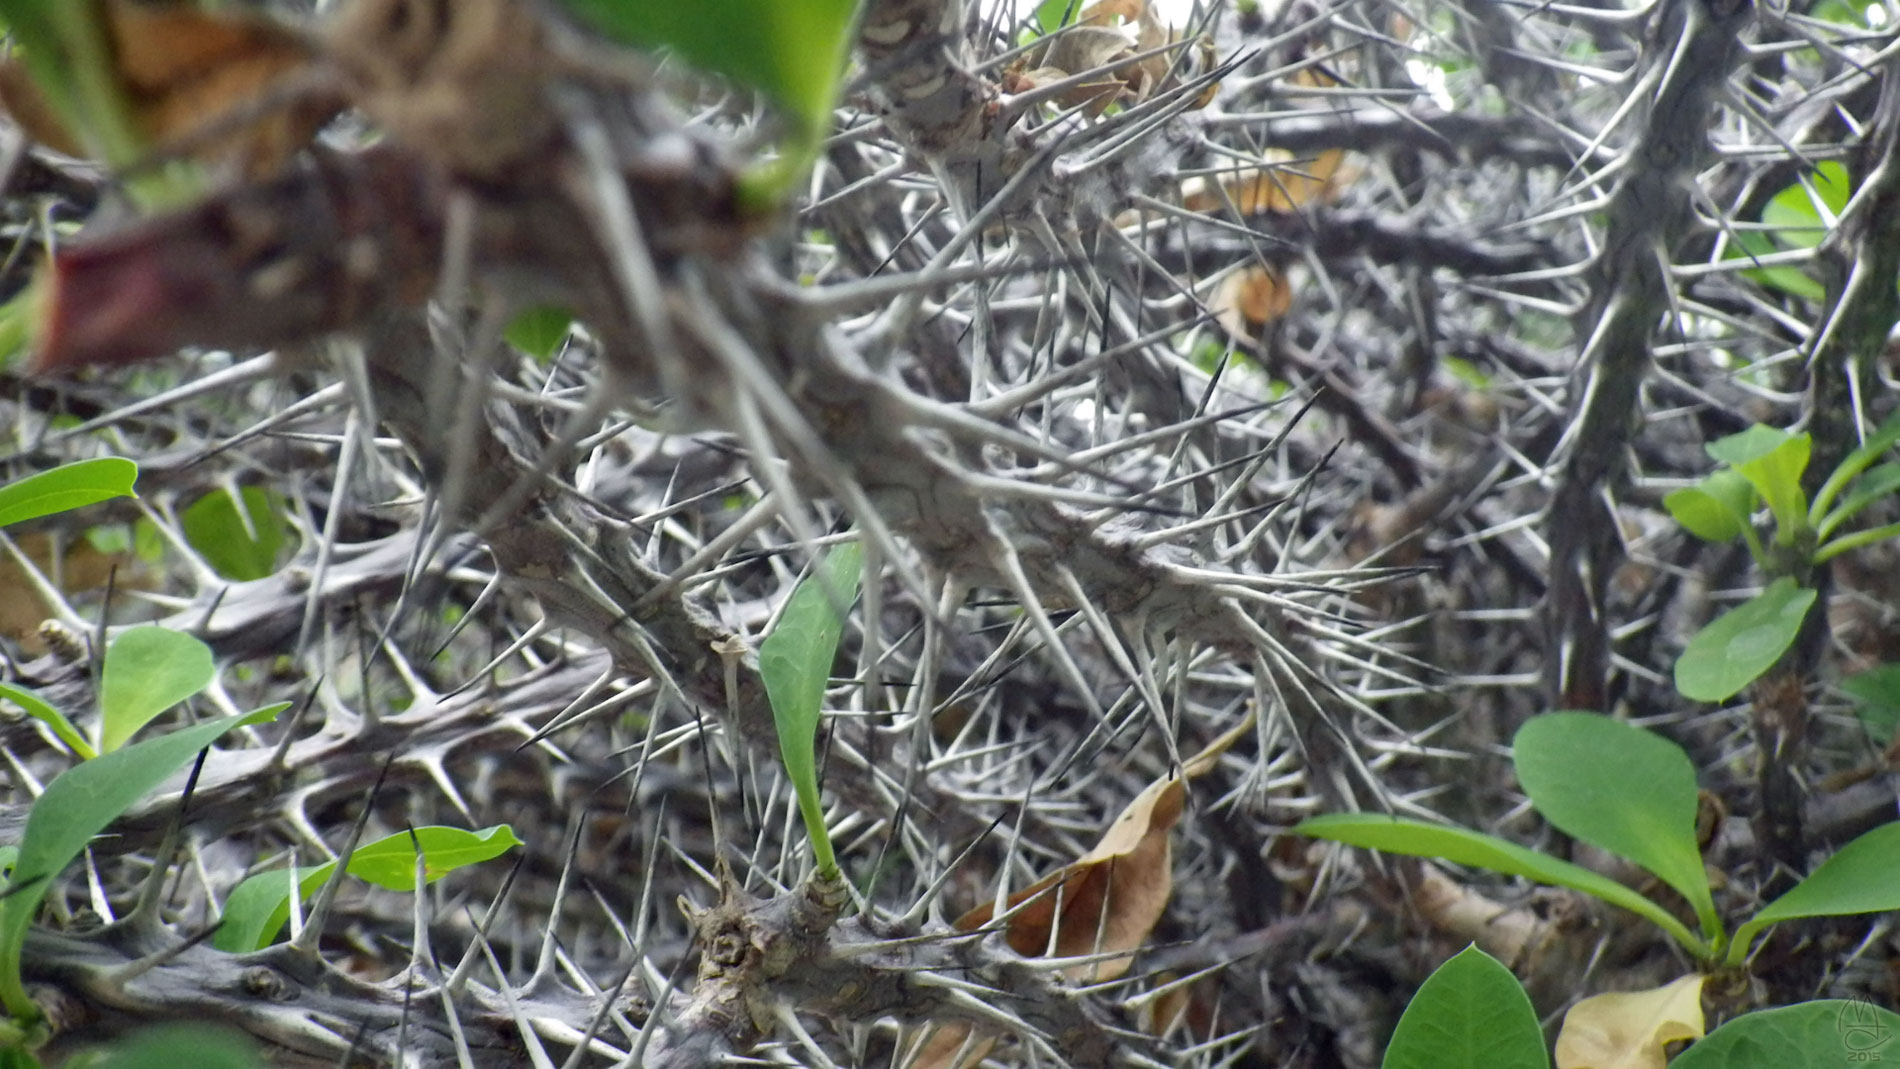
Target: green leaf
[(66, 51), (1879, 483), (258, 908), (1715, 509), (1397, 835), (238, 546), (1875, 447), (1823, 1034), (67, 487), (1772, 461), (147, 671), (540, 332), (1793, 213), (1876, 695), (793, 51), (1862, 877), (1790, 280), (1470, 1011), (1622, 789), (795, 663), (1052, 15), (172, 1045), (77, 806), (391, 861), (1741, 644), (40, 710)]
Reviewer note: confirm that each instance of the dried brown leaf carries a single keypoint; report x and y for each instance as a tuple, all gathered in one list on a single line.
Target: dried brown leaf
[(1250, 297), (1107, 900)]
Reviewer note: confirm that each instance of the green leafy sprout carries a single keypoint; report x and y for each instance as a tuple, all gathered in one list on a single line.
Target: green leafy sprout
[(795, 662), (76, 806), (1762, 467), (258, 908), (1631, 792), (1472, 1011)]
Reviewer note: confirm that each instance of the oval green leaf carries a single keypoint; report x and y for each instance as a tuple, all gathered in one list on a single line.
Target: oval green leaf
[(240, 546), (1470, 1011), (1619, 788), (169, 1046), (1715, 509), (67, 487), (1414, 838), (1823, 1034), (793, 51), (540, 332), (1772, 461), (1876, 695), (1741, 644), (77, 806), (259, 907), (1862, 877), (147, 671)]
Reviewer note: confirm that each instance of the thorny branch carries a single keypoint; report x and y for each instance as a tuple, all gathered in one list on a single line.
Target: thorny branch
[(988, 345)]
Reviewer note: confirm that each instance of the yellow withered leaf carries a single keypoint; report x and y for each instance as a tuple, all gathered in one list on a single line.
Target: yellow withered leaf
[(1631, 1029)]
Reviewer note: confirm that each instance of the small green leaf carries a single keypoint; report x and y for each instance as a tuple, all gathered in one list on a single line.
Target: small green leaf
[(1470, 1011), (67, 487), (77, 806), (1413, 838), (1741, 644), (147, 671), (1715, 509), (1823, 1034), (791, 50), (258, 908), (1622, 789), (1862, 877), (238, 546), (1052, 15), (1772, 461), (391, 861), (1793, 281), (1793, 212), (1876, 695), (795, 663), (540, 332), (1881, 482), (38, 709), (1875, 447), (172, 1045)]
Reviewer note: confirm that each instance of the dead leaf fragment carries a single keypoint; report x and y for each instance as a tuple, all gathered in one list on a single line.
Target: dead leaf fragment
[(1108, 34), (1631, 1029), (1285, 185), (1103, 903), (1249, 298)]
